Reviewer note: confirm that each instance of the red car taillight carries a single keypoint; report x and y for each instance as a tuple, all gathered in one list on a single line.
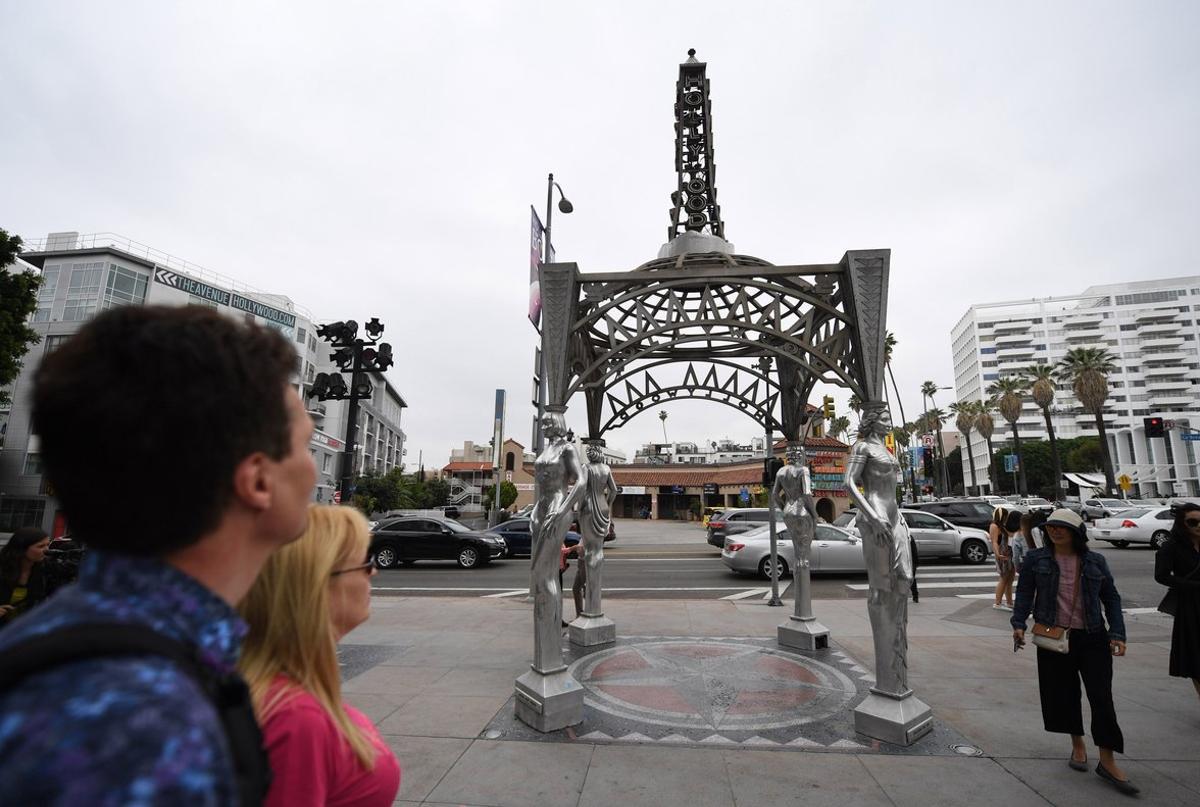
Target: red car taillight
[(717, 525), (1128, 523), (735, 547)]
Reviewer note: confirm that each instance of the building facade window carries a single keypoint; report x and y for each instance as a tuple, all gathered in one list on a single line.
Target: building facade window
[(21, 512), (33, 464), (301, 335), (124, 287), (52, 343), (45, 295), (83, 291)]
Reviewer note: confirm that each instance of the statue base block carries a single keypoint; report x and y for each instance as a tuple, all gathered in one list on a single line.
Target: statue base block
[(899, 721), (549, 702), (587, 631), (804, 634)]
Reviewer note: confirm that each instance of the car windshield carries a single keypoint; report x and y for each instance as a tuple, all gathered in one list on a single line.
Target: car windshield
[(1036, 500), (844, 519), (1114, 503)]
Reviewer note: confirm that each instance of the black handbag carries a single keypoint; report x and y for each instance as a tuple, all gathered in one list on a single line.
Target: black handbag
[(1170, 600)]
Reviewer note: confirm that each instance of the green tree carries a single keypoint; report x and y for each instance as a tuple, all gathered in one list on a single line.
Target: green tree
[(928, 390), (838, 426), (986, 427), (1009, 394), (964, 420), (439, 492), (954, 472), (1042, 387), (1084, 455), (508, 495), (18, 300), (1088, 368)]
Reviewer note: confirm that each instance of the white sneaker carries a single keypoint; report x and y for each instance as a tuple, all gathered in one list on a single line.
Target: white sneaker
[(998, 607)]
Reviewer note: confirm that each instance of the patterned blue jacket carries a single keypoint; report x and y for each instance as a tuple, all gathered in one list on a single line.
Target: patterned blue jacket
[(126, 730)]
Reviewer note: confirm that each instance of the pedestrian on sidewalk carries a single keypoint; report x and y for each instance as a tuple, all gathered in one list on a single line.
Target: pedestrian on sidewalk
[(123, 688), (1177, 566), (569, 550), (1067, 586), (1004, 524), (22, 574), (309, 596), (1023, 540)]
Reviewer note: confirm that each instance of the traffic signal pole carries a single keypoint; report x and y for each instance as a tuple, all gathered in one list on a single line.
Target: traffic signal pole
[(347, 483)]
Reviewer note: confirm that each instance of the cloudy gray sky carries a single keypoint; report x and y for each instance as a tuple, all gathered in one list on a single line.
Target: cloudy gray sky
[(380, 158)]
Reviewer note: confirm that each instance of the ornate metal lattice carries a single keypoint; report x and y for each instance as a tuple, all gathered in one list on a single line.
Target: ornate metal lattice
[(695, 198), (694, 324)]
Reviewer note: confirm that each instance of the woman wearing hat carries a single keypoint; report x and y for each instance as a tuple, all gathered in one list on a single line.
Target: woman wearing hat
[(1067, 586)]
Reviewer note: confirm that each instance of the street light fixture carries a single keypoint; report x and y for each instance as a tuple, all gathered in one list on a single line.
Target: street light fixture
[(358, 357)]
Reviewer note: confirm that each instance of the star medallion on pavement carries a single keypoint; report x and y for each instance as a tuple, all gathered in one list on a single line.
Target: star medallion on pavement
[(712, 685)]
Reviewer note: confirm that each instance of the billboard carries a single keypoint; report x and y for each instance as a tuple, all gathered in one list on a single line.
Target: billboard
[(536, 232), (498, 431)]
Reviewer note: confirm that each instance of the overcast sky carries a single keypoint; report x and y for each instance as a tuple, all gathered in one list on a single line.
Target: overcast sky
[(380, 158)]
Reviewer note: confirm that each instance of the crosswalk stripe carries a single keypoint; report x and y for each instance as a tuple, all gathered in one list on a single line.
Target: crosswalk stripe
[(745, 595), (514, 593), (923, 586), (923, 575)]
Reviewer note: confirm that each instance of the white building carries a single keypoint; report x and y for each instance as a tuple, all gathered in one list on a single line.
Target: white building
[(82, 275), (1151, 326)]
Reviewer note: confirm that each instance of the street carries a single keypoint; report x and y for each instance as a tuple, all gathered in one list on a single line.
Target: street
[(671, 560)]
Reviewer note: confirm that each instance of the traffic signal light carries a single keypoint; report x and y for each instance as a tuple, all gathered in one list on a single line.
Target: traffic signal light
[(771, 467), (827, 407), (928, 463), (1154, 427)]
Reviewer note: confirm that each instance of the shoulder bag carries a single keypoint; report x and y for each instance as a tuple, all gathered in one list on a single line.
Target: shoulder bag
[(1057, 638), (1170, 601)]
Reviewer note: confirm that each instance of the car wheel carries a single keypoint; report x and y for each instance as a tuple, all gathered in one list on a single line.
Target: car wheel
[(1119, 544), (974, 551), (468, 557), (764, 568), (385, 557), (1158, 539)]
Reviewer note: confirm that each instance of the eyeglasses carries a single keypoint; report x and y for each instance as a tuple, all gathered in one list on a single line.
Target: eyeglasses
[(1192, 522), (367, 567)]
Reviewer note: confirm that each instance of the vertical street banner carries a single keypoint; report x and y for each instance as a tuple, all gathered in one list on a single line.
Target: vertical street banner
[(498, 431), (535, 261)]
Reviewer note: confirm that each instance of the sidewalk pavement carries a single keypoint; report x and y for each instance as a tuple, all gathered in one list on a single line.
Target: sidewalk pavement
[(435, 673)]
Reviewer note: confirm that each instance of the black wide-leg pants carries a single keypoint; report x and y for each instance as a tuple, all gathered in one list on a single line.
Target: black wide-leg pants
[(1059, 674)]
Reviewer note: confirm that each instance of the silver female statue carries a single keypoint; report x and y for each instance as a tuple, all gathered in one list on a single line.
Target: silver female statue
[(595, 517), (793, 496), (547, 697), (885, 548), (560, 483)]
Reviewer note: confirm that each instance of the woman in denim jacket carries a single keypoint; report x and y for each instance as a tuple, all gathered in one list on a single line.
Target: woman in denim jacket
[(1048, 585)]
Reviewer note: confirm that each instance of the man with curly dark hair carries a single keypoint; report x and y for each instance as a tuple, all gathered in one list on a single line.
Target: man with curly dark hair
[(179, 453)]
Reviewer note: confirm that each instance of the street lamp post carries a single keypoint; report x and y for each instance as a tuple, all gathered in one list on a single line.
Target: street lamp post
[(357, 357), (941, 482), (564, 206), (764, 367)]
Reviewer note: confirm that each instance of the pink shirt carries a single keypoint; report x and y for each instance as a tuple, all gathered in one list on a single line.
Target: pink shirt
[(1068, 607), (313, 763)]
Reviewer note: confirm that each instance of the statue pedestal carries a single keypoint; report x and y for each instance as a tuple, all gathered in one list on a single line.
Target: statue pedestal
[(897, 720), (804, 634), (549, 702), (588, 631)]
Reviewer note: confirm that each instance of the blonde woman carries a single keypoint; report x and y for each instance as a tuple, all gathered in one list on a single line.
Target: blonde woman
[(310, 594)]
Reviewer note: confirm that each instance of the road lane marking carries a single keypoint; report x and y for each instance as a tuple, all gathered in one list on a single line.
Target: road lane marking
[(515, 593), (743, 595), (923, 586), (922, 575)]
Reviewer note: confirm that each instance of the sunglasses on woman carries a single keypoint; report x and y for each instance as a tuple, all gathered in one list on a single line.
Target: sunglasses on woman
[(368, 567), (1192, 522)]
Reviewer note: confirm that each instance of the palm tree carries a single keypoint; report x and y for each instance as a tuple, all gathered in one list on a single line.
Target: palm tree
[(1088, 368), (928, 390), (935, 420), (1009, 392), (1041, 378), (964, 421), (986, 426), (838, 425), (662, 415)]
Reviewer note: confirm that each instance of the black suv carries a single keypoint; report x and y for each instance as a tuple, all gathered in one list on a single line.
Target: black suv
[(411, 538), (965, 513)]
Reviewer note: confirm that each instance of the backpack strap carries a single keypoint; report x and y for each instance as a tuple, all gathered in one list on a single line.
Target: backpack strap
[(228, 693)]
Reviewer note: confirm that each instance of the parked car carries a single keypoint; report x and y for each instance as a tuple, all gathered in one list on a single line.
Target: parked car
[(833, 550), (411, 538), (996, 501), (711, 513), (974, 513), (1103, 508), (1034, 504), (518, 537), (734, 521), (1139, 525), (936, 537)]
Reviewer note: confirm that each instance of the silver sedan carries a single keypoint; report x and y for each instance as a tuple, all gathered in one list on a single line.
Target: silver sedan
[(1140, 525), (833, 550), (936, 537)]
